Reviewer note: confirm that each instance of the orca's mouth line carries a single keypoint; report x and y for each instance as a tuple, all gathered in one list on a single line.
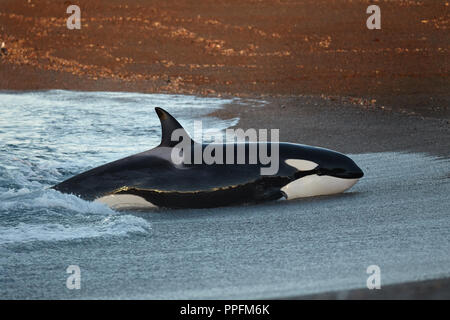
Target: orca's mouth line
[(336, 173)]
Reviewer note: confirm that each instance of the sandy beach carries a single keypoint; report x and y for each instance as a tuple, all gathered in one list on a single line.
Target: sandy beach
[(310, 68), (245, 48)]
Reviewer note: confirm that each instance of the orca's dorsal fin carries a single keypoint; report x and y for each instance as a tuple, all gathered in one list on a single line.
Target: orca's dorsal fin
[(168, 125)]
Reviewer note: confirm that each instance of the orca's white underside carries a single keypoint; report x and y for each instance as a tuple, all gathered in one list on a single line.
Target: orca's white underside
[(315, 185), (125, 201)]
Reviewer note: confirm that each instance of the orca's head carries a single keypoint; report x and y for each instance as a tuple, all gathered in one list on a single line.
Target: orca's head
[(321, 172), (339, 166)]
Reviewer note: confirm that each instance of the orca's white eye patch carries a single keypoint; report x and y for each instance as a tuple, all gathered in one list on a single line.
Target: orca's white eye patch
[(301, 165)]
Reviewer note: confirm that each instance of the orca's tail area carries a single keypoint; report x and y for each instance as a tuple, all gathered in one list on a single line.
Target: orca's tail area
[(168, 125)]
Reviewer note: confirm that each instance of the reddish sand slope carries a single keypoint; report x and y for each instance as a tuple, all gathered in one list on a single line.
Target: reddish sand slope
[(243, 47)]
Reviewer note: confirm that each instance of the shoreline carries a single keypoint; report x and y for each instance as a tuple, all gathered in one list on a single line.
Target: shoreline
[(431, 289), (344, 126)]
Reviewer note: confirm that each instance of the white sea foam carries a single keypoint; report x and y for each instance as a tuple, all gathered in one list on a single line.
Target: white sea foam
[(79, 218), (51, 199), (110, 226)]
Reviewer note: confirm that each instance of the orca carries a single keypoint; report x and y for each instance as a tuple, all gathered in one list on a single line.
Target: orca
[(153, 179)]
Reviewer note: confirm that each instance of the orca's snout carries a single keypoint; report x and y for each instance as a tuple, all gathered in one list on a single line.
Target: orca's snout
[(356, 174), (352, 171), (344, 169)]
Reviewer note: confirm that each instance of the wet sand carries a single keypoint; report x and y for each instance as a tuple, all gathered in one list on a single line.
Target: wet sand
[(420, 290)]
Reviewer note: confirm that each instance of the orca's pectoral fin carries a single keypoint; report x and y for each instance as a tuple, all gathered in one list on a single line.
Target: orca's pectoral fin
[(168, 125)]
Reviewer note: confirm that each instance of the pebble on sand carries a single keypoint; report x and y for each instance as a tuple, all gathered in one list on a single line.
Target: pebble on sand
[(3, 49)]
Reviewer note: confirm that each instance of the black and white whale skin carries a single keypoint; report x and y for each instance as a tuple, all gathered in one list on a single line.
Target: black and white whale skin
[(151, 179)]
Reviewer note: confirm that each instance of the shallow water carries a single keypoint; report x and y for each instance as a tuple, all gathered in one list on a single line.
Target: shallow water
[(396, 217)]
